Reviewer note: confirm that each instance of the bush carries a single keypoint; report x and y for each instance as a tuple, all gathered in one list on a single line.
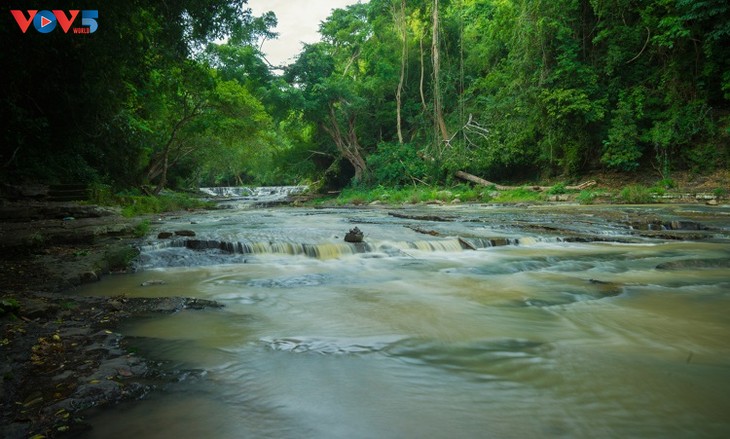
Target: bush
[(142, 228), (666, 183), (396, 164), (558, 189), (120, 258), (635, 194), (101, 194), (8, 306), (720, 192), (586, 197)]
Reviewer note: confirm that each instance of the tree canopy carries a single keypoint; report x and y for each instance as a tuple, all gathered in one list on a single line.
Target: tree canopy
[(397, 92)]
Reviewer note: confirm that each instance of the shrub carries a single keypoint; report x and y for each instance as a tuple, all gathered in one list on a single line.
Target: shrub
[(101, 194), (586, 197), (635, 194), (8, 306), (142, 228), (666, 183), (120, 258), (396, 164), (558, 189)]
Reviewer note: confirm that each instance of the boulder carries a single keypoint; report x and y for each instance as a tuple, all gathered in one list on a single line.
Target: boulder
[(184, 233), (354, 235)]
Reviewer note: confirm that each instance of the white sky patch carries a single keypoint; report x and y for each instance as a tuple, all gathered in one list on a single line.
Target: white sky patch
[(298, 23)]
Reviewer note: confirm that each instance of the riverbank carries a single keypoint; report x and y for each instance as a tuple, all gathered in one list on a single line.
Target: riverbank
[(59, 352), (595, 188)]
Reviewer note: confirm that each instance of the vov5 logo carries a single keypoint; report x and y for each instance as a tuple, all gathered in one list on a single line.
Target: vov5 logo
[(46, 21)]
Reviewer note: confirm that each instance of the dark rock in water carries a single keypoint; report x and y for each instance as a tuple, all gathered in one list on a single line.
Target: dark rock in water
[(164, 235), (148, 283), (684, 225), (606, 289), (184, 233), (354, 235), (599, 282)]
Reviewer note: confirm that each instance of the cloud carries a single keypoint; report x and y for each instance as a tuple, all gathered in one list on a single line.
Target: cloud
[(298, 23)]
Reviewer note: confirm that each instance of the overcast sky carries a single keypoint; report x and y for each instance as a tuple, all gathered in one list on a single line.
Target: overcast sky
[(298, 22)]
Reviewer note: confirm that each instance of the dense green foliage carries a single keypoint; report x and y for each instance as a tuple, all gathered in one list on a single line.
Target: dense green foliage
[(145, 99), (397, 93)]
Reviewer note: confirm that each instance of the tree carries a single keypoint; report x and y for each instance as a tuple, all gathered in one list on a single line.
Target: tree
[(77, 105), (329, 77)]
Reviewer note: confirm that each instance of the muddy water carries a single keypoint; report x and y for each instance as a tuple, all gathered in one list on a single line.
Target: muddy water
[(419, 337)]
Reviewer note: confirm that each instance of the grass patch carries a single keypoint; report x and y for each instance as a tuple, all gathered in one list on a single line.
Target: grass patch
[(720, 192), (586, 197), (8, 306), (558, 189), (412, 195), (135, 205), (519, 195), (142, 228), (35, 240), (635, 194), (68, 305), (120, 258)]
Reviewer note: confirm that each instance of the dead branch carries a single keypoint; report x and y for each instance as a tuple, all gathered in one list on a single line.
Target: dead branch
[(482, 182)]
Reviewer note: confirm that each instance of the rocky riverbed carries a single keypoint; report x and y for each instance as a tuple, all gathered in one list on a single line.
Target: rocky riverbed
[(59, 353)]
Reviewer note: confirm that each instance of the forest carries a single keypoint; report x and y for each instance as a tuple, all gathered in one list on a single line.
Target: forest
[(178, 94)]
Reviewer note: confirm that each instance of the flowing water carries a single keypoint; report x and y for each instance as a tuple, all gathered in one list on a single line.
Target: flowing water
[(448, 322)]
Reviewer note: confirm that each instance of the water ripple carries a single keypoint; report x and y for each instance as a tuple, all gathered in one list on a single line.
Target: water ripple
[(330, 346)]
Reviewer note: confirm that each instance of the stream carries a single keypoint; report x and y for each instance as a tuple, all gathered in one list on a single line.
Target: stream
[(458, 321)]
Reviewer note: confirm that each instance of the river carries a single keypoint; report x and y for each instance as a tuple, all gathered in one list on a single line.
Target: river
[(449, 322)]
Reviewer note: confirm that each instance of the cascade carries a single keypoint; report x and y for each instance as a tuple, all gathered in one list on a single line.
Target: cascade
[(263, 195)]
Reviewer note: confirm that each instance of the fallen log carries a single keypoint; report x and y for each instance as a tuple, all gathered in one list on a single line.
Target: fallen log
[(482, 182), (584, 185)]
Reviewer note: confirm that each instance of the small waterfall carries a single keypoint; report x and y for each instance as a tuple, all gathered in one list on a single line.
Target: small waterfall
[(332, 250), (177, 251), (227, 192), (257, 196)]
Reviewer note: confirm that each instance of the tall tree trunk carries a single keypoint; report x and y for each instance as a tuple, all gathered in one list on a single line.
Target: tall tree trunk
[(423, 75), (354, 154), (347, 145), (163, 175), (401, 21), (437, 110), (159, 167)]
